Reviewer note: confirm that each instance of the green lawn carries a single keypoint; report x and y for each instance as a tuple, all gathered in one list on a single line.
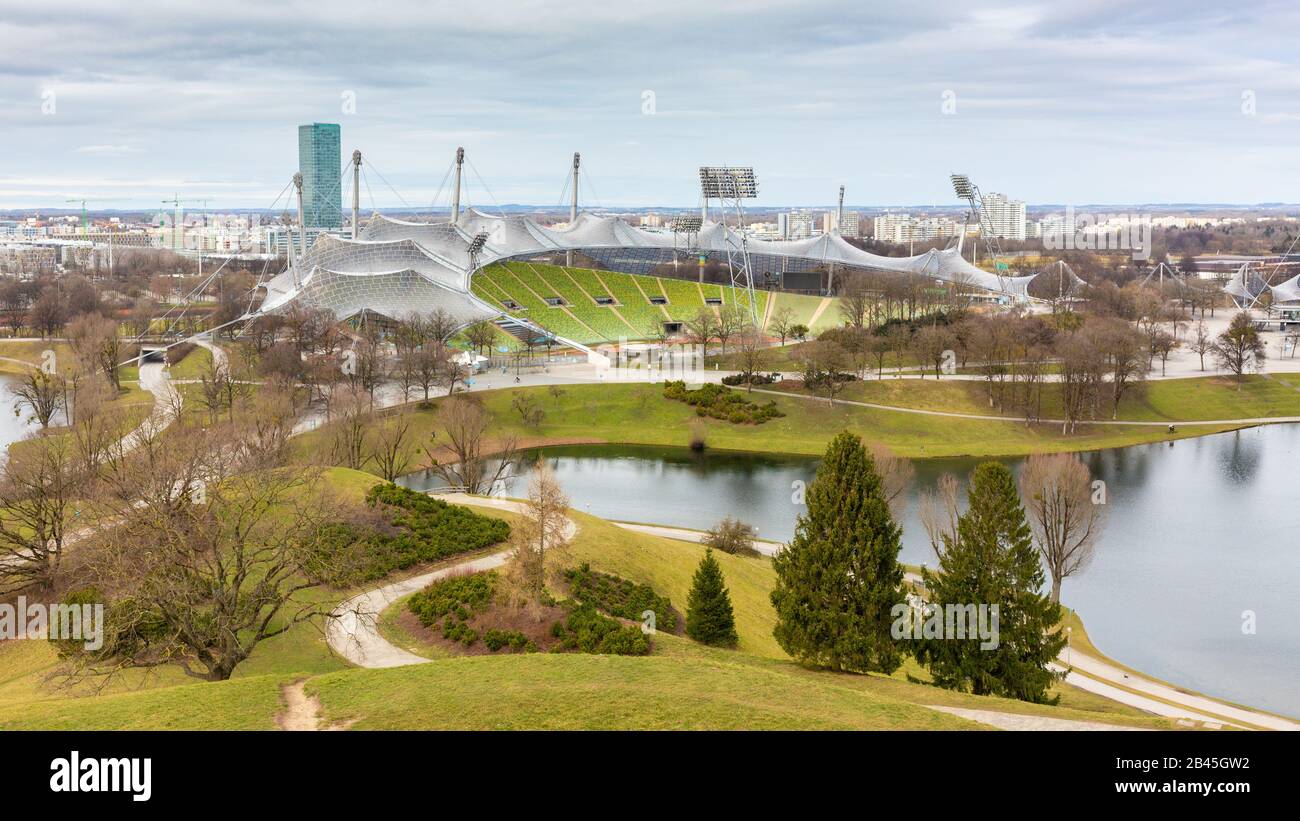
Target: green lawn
[(1165, 400), (635, 413)]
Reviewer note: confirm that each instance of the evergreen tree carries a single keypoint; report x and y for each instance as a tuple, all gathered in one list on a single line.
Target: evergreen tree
[(992, 561), (709, 618), (839, 577)]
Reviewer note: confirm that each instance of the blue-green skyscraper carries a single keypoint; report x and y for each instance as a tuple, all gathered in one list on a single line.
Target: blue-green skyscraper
[(320, 162)]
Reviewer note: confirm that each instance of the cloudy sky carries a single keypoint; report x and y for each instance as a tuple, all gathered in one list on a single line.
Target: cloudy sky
[(1075, 103)]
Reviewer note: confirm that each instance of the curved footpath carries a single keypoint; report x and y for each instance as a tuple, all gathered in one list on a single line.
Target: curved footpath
[(1250, 420), (354, 636)]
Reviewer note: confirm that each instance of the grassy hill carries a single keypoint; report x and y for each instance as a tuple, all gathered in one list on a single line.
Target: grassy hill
[(681, 685), (630, 311)]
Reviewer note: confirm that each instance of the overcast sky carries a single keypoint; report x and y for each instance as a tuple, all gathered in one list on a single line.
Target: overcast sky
[(1076, 103)]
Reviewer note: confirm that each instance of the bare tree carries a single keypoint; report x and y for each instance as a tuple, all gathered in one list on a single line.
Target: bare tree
[(38, 485), (752, 356), (703, 328), (464, 424), (781, 321), (542, 534), (391, 445), (201, 576), (1058, 495), (1203, 342), (823, 367), (939, 511), (731, 321), (41, 393), (896, 476), (1239, 348)]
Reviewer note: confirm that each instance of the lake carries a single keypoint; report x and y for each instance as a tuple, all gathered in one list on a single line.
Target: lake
[(1199, 532)]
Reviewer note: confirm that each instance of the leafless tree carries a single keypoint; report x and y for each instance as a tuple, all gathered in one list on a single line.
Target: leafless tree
[(391, 444), (939, 510), (541, 535), (41, 393), (752, 356), (1058, 495), (1239, 348), (1203, 342), (462, 428), (896, 476), (39, 484), (781, 321)]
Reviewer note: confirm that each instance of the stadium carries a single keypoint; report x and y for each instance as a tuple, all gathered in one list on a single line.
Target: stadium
[(477, 266)]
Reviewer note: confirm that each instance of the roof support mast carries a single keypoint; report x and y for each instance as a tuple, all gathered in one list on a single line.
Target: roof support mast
[(302, 231), (839, 229), (573, 205), (356, 190), (455, 191)]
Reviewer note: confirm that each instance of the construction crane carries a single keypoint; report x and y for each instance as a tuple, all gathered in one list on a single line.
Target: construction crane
[(176, 202), (85, 223)]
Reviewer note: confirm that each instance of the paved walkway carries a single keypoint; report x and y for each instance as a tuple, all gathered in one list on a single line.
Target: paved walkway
[(1089, 673), (353, 632), (1017, 721)]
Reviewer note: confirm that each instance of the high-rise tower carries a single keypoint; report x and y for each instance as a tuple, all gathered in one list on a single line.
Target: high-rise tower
[(320, 163)]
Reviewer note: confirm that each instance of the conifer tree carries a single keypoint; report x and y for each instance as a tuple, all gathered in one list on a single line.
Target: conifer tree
[(992, 561), (709, 618), (838, 579)]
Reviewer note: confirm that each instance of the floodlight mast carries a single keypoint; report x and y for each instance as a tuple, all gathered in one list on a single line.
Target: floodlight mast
[(573, 205), (734, 185), (969, 191), (455, 191), (302, 229), (356, 191)]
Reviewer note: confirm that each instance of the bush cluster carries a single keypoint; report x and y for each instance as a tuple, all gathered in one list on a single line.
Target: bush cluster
[(428, 529), (754, 379), (587, 631), (718, 402), (515, 640), (619, 597)]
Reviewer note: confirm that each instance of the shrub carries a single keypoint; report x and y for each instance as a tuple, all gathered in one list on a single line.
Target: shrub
[(458, 597), (587, 631), (720, 402), (515, 640), (620, 597), (428, 529), (731, 536), (754, 378), (709, 617)]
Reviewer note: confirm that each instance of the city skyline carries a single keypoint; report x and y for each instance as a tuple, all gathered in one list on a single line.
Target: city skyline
[(1166, 103)]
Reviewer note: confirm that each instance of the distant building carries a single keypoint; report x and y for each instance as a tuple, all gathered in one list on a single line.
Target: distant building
[(1006, 217), (320, 163), (28, 260), (795, 224), (850, 226)]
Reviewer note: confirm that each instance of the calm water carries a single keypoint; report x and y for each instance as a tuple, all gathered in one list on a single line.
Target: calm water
[(14, 426), (1199, 531)]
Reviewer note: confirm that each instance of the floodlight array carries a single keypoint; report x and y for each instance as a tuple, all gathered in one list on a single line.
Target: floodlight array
[(476, 244), (687, 224), (725, 183), (962, 186)]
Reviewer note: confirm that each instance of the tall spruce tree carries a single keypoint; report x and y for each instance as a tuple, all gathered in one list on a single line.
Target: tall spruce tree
[(709, 618), (838, 578), (993, 562)]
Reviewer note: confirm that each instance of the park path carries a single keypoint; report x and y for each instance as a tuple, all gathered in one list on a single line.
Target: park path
[(1251, 420), (1087, 672), (353, 632)]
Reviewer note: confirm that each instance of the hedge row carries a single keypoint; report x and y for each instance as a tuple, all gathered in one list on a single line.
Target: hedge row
[(619, 597), (719, 402)]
